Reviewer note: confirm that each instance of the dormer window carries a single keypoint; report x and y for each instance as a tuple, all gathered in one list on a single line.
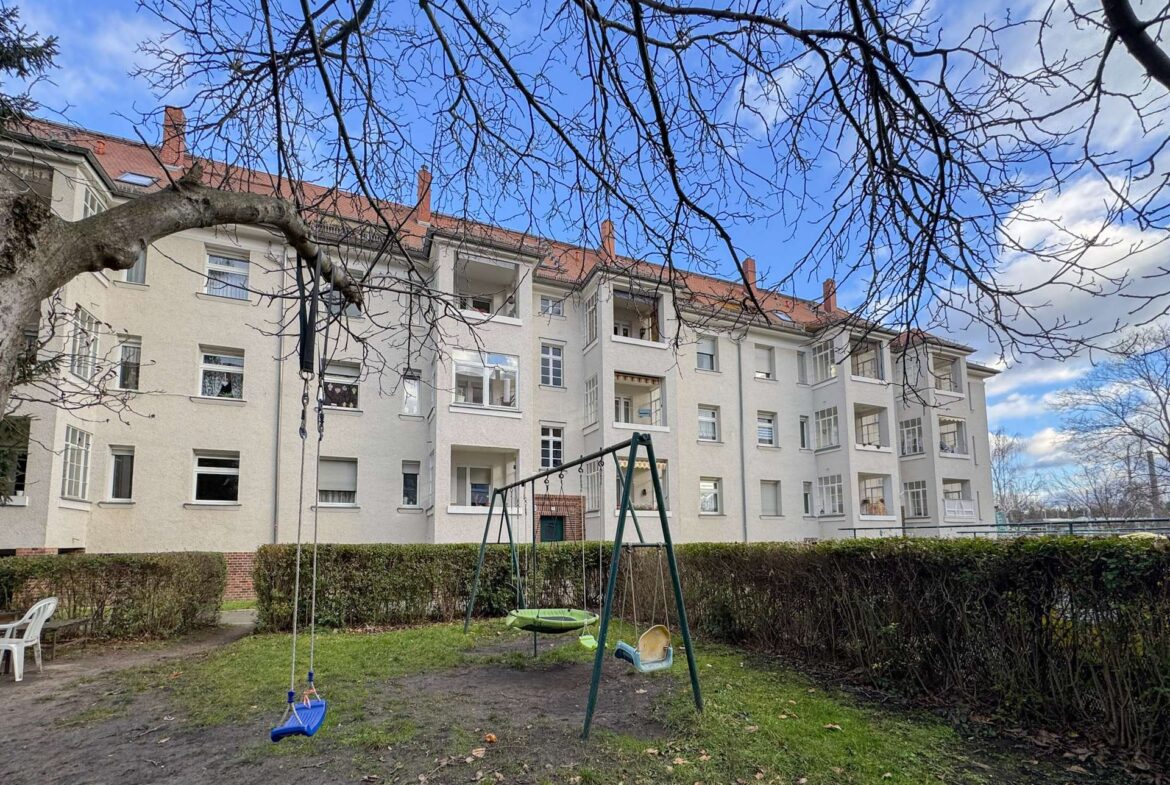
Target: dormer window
[(138, 179)]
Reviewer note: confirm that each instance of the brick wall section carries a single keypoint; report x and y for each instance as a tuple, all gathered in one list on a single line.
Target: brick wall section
[(572, 508), (36, 551), (239, 576)]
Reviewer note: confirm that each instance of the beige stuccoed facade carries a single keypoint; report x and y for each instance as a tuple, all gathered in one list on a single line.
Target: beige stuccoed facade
[(769, 432)]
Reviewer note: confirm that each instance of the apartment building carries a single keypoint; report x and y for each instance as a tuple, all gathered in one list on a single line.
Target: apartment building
[(797, 426)]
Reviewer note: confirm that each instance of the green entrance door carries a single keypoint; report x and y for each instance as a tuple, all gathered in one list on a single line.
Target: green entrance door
[(552, 528)]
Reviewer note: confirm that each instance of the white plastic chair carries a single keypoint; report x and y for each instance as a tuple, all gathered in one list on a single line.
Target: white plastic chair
[(16, 639)]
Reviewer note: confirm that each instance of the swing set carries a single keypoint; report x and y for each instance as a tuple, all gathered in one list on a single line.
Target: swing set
[(654, 650)]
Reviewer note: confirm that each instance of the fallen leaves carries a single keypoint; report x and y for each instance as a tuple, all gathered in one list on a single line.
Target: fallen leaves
[(832, 726), (490, 738)]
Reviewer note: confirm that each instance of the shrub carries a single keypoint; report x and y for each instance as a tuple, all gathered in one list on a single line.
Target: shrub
[(155, 595)]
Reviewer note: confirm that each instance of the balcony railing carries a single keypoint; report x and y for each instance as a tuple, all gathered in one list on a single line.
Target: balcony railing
[(959, 508), (946, 384)]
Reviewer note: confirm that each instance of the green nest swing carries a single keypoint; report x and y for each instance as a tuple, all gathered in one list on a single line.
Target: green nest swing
[(550, 621)]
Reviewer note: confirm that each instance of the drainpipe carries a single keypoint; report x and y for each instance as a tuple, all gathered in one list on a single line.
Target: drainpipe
[(743, 497), (276, 446)]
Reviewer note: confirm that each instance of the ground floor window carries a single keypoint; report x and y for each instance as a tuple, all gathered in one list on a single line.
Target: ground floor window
[(75, 477), (410, 483), (337, 481), (832, 498), (473, 486), (915, 499), (121, 473), (710, 495), (217, 477), (807, 498), (769, 497), (14, 435)]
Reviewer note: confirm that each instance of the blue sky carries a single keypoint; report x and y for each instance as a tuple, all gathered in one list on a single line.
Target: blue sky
[(92, 88)]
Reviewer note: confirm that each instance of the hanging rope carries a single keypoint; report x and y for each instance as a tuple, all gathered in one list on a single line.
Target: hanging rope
[(317, 481)]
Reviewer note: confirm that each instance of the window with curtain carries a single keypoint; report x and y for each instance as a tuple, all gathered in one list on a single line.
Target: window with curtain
[(705, 353), (708, 424), (121, 473), (410, 483), (340, 386), (710, 495), (227, 277), (766, 429), (337, 481), (137, 273), (129, 362), (222, 373)]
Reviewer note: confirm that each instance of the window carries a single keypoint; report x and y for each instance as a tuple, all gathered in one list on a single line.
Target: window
[(621, 329), (486, 379), (551, 447), (826, 423), (946, 374), (823, 365), (477, 303), (872, 491), (804, 440), (710, 495), (623, 409), (591, 319), (915, 499), (952, 436), (474, 486), (869, 429), (336, 303), (765, 362), (802, 367), (551, 365), (766, 429), (866, 360), (770, 497), (227, 277), (337, 481), (910, 436), (75, 474), (551, 306), (217, 477), (136, 178), (591, 400), (137, 273), (429, 499), (832, 498), (705, 353), (121, 474), (806, 497), (83, 356), (593, 486), (14, 436), (91, 203), (708, 424), (410, 483), (222, 373), (129, 361), (411, 391), (340, 385)]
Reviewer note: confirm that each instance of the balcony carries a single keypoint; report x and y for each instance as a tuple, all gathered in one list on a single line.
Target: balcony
[(475, 473), (637, 401), (952, 437), (946, 374), (642, 489), (486, 289), (874, 496), (871, 428), (635, 316), (866, 360), (959, 509)]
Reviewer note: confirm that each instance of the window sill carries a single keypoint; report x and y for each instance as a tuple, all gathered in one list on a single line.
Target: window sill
[(414, 417), (74, 504), (767, 446), (411, 509), (219, 298), (212, 505), (958, 456), (712, 515), (861, 517), (488, 411), (338, 507), (638, 342), (708, 441), (771, 517), (830, 448), (709, 371), (555, 387), (872, 448), (116, 503), (633, 426), (836, 516), (493, 318), (218, 401), (768, 379), (869, 380), (131, 285), (14, 501), (342, 410), (913, 456)]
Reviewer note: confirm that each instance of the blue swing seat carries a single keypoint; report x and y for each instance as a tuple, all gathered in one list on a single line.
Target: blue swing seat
[(653, 652), (302, 720)]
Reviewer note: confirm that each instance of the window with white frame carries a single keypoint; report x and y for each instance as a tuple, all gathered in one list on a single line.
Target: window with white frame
[(823, 365), (75, 469), (552, 365), (221, 373), (337, 481), (710, 495), (84, 352), (770, 497), (832, 495), (137, 272), (872, 495), (765, 359), (623, 409), (593, 486), (429, 498), (591, 400), (826, 425), (621, 328), (410, 483), (486, 379), (910, 436), (121, 474), (217, 477), (916, 499), (551, 306), (805, 441), (477, 303), (806, 497), (91, 203), (866, 360), (591, 319), (952, 436), (868, 427), (227, 277), (129, 361), (14, 440), (708, 423), (802, 367), (340, 386), (473, 486), (706, 353), (766, 429), (552, 440), (411, 393)]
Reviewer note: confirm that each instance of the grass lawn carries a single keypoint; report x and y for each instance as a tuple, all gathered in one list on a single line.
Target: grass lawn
[(413, 705), (237, 605)]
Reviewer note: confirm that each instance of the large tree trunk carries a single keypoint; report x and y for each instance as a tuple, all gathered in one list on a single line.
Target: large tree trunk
[(40, 252)]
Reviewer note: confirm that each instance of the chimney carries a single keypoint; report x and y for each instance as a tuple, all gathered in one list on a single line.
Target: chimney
[(174, 141), (422, 212), (749, 271), (830, 290), (99, 147), (607, 244)]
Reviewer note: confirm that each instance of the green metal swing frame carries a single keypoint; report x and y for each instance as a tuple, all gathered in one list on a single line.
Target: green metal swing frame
[(639, 441)]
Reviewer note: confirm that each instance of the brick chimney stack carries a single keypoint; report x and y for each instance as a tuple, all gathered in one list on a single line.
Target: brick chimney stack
[(749, 271), (608, 248), (423, 211), (830, 291), (174, 141)]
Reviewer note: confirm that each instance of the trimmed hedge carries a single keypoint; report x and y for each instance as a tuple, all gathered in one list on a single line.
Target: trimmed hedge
[(1060, 633), (125, 596)]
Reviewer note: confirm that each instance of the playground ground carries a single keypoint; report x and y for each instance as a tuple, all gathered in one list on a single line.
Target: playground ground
[(416, 705)]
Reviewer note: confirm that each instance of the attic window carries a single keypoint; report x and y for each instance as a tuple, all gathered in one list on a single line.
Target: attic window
[(134, 178), (782, 316)]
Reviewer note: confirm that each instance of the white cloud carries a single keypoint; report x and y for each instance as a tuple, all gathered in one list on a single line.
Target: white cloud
[(1019, 406), (1047, 448), (1037, 374)]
